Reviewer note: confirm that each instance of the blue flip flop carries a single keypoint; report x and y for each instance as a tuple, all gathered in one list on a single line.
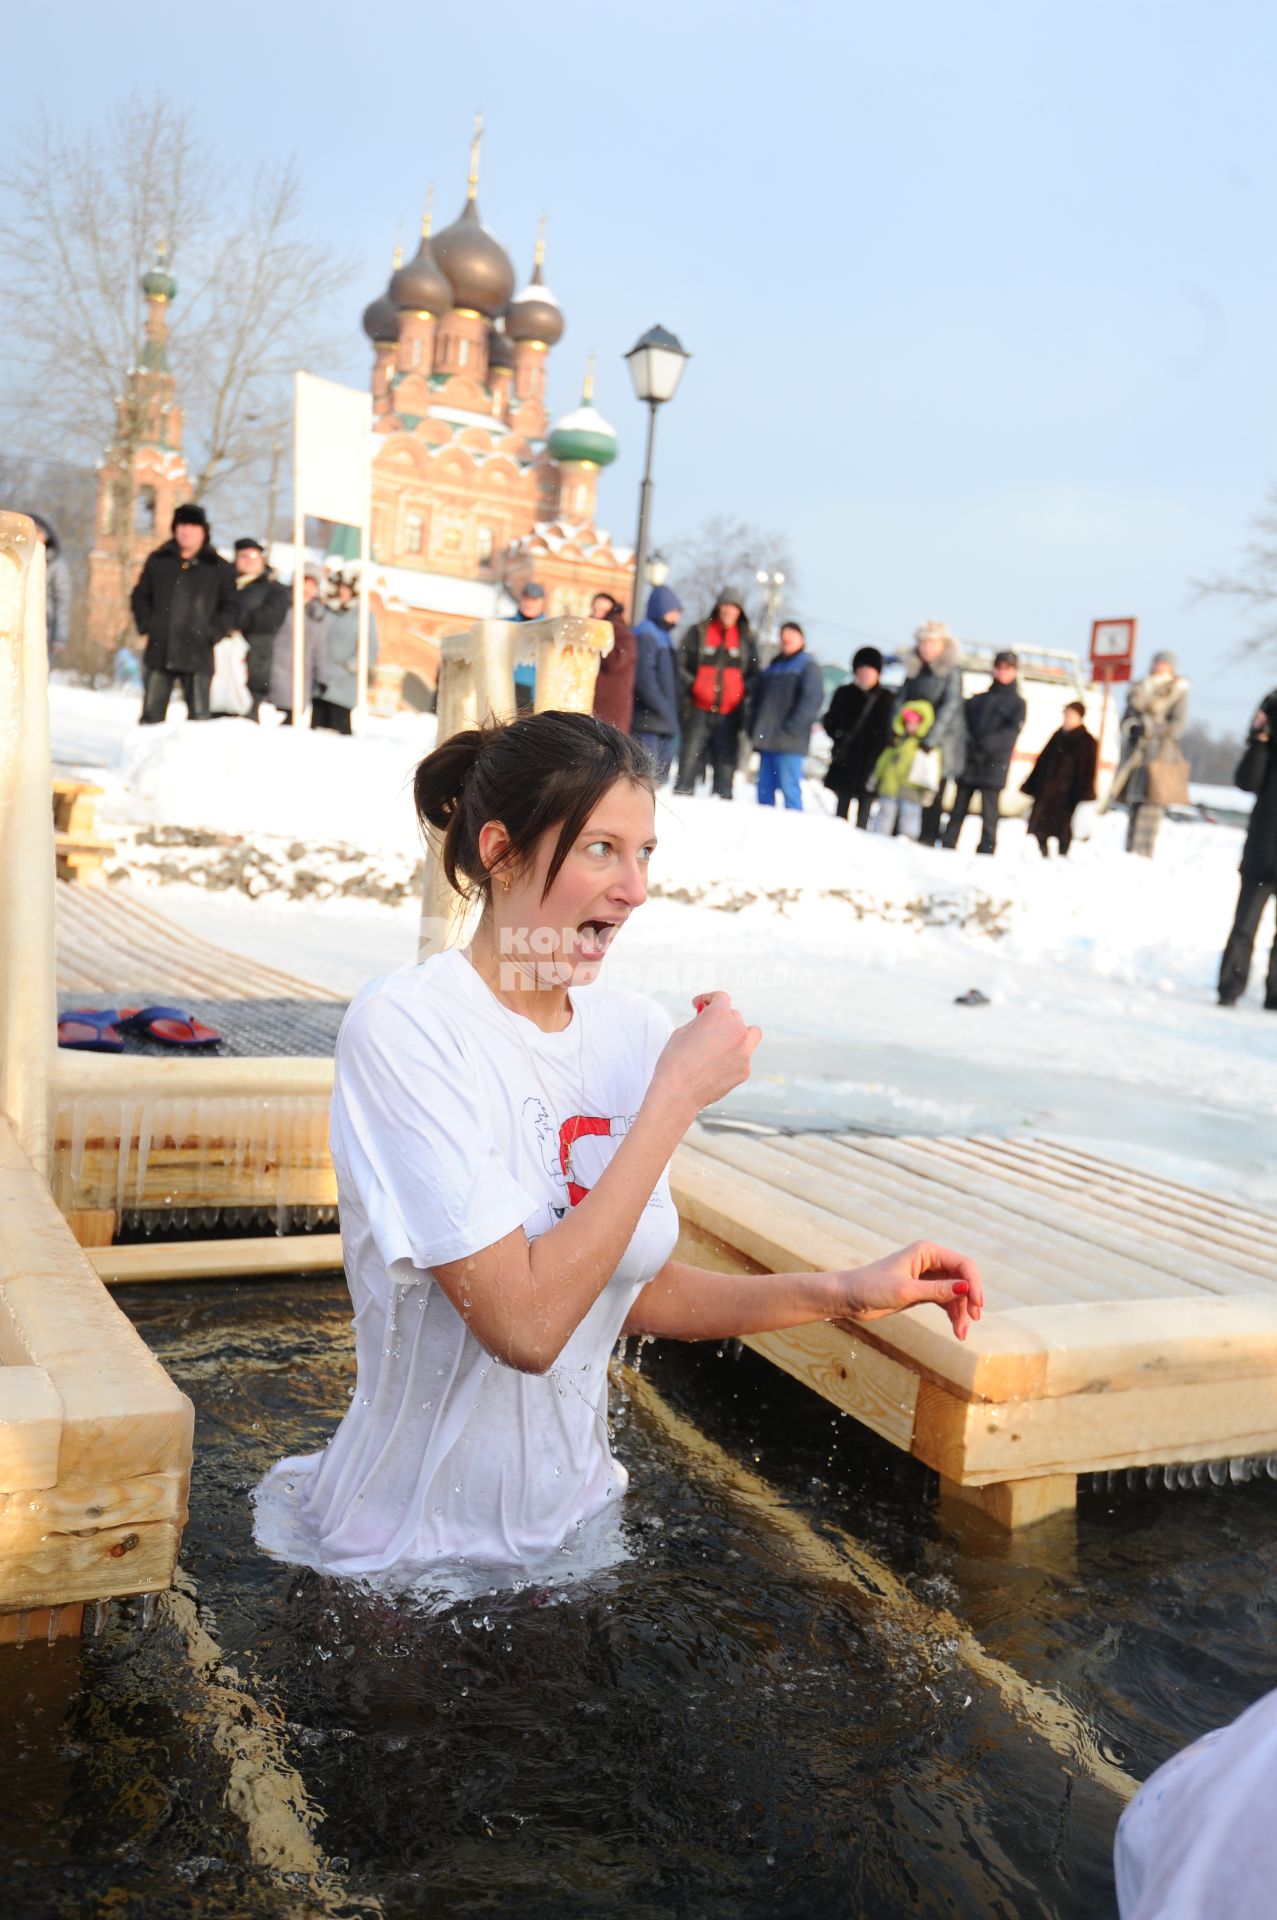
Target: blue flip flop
[(170, 1026), (90, 1030)]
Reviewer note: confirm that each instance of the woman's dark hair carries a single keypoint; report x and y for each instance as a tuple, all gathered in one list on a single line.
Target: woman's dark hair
[(533, 773), (1076, 706)]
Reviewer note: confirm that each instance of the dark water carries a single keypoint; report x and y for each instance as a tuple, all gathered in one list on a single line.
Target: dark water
[(708, 1730)]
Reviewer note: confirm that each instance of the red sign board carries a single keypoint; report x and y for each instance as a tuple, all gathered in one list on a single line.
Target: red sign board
[(1112, 650)]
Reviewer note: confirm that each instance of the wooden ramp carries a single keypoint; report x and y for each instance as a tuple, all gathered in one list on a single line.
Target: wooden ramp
[(111, 945), (1129, 1321)]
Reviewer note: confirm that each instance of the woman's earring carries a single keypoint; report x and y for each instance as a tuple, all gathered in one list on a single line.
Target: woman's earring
[(505, 883)]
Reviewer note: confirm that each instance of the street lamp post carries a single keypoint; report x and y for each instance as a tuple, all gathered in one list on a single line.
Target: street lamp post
[(656, 365), (772, 585)]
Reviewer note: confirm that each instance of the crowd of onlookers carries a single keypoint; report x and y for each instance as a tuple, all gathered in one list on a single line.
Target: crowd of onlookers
[(899, 754), (222, 632), (702, 702)]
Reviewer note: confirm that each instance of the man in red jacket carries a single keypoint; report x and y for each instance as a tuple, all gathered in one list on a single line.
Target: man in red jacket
[(718, 664)]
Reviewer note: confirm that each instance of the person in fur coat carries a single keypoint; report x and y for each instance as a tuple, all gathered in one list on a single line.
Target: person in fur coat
[(1155, 718), (1063, 776)]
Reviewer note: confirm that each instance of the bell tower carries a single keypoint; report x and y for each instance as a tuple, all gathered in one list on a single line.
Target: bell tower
[(143, 476)]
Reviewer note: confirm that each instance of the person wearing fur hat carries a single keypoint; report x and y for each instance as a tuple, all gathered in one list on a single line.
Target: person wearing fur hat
[(655, 725), (183, 603), (933, 673), (859, 724), (1153, 772), (1257, 774), (718, 664)]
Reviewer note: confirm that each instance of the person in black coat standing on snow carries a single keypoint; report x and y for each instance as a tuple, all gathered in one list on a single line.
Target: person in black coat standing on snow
[(859, 724), (1257, 774), (995, 719), (1062, 777), (262, 604), (183, 603)]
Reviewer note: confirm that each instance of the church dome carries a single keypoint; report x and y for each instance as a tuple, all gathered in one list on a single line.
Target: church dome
[(420, 287), (381, 316), (535, 314), (158, 283), (477, 266), (500, 350), (584, 436)]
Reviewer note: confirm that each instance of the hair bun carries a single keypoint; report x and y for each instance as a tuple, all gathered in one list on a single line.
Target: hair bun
[(441, 777)]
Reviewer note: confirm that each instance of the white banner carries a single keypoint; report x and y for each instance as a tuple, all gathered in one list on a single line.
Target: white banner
[(332, 471), (332, 480)]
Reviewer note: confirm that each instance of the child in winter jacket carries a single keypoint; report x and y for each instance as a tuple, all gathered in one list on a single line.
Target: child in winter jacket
[(901, 798)]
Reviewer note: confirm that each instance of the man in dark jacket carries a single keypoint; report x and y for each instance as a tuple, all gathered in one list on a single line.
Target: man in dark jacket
[(859, 724), (718, 664), (933, 673), (656, 679), (995, 720), (262, 604), (614, 683), (1062, 777), (1257, 774), (783, 709), (183, 603)]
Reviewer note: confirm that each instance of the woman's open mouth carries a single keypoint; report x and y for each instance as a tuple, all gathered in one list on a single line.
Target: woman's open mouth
[(594, 937)]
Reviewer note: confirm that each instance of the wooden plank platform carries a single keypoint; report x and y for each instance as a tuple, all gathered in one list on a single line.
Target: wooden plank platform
[(111, 945), (1129, 1320)]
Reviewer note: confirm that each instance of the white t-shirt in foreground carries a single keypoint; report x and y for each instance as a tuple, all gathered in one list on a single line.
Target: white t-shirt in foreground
[(454, 1121), (1196, 1842)]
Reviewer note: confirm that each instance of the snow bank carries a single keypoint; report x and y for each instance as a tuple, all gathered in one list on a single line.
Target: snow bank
[(314, 816), (236, 777)]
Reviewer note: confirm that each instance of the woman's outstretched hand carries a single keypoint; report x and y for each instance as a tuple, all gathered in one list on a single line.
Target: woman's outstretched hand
[(710, 1055), (920, 1273)]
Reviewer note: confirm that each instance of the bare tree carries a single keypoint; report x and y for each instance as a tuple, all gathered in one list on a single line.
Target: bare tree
[(725, 552), (1254, 585), (90, 209), (1212, 756)]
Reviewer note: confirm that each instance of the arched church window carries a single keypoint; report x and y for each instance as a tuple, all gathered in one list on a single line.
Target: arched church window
[(144, 510), (415, 356), (414, 533), (463, 354), (487, 542)]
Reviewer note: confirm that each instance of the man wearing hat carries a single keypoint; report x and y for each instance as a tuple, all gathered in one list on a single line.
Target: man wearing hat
[(859, 724), (995, 720), (262, 602), (531, 607), (183, 603)]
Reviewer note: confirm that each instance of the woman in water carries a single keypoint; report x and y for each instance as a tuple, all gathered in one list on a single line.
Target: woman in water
[(502, 1145)]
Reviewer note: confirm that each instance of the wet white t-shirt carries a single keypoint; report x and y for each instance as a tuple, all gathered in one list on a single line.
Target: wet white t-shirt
[(454, 1121)]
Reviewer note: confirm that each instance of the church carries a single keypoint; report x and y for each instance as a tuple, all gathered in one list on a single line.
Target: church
[(474, 491)]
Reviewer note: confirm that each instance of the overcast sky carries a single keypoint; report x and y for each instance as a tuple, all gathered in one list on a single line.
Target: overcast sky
[(982, 298)]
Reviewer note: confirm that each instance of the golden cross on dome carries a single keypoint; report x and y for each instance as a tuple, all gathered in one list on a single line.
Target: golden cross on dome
[(476, 137), (538, 257), (429, 213), (587, 389)]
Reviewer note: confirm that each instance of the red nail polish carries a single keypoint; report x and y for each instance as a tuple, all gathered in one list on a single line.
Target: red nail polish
[(962, 1286)]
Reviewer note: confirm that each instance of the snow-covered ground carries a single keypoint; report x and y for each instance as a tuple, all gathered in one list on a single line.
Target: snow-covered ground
[(848, 950)]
